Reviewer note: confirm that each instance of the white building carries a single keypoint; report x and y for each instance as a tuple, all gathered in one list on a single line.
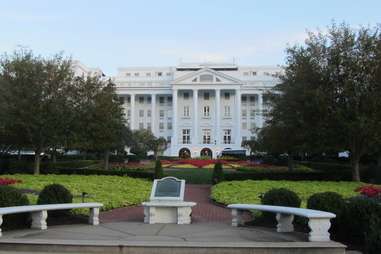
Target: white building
[(201, 109)]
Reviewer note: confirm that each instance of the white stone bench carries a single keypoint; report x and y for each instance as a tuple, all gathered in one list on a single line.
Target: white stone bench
[(318, 221), (39, 212)]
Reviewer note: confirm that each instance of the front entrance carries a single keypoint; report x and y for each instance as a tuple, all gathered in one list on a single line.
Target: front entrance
[(206, 152), (184, 153)]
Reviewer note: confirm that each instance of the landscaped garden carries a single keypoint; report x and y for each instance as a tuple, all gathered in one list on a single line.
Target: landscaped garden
[(249, 191), (112, 191)]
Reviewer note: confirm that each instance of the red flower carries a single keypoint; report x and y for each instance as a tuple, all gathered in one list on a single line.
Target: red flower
[(369, 190), (9, 181)]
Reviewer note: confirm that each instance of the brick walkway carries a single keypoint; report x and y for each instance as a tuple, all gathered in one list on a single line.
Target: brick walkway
[(204, 211)]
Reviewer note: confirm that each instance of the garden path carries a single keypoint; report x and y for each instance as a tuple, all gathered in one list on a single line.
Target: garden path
[(204, 211)]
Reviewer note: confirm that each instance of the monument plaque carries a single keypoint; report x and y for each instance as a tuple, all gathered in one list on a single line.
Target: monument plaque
[(167, 203)]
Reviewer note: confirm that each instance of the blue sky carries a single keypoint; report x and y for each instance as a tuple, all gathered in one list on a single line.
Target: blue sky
[(111, 34)]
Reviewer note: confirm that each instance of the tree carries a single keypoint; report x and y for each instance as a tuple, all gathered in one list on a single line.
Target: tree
[(158, 146), (36, 98), (100, 123), (329, 95)]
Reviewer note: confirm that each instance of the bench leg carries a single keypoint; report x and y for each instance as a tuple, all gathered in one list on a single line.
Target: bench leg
[(284, 222), (184, 215), (39, 219), (94, 216), (1, 222), (237, 217), (319, 230)]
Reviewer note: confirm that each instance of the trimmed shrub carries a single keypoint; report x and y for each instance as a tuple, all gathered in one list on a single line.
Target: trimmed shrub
[(158, 170), (218, 173), (55, 194), (358, 213), (11, 196), (329, 202), (373, 236), (281, 197)]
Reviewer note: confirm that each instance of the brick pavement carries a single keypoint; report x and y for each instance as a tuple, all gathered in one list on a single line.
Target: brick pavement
[(204, 211)]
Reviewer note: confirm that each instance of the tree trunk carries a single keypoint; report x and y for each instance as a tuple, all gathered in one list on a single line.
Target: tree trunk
[(290, 162), (107, 159), (19, 155), (379, 161), (355, 167), (37, 161)]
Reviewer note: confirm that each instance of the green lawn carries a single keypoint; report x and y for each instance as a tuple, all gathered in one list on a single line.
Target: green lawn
[(112, 191), (249, 191), (191, 175)]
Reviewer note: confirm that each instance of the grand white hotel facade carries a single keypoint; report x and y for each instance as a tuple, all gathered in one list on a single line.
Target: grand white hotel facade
[(201, 109)]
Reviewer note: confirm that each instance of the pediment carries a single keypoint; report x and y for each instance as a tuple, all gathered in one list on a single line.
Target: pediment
[(206, 76)]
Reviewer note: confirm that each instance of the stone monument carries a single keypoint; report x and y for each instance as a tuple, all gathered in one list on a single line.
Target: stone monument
[(167, 203)]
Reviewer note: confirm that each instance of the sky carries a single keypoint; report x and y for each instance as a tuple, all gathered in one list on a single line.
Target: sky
[(116, 33)]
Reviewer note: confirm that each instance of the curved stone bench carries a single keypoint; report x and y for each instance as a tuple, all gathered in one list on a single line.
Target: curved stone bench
[(39, 212), (318, 221)]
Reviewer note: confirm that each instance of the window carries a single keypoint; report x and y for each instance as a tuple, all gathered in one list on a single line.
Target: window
[(169, 74), (244, 125), (252, 100), (160, 74), (244, 138), (169, 100), (161, 126), (245, 73), (206, 78), (206, 96), (121, 100), (186, 136), (186, 111), (136, 74), (149, 113), (128, 74), (206, 136), (129, 113), (252, 113), (161, 113), (141, 126), (244, 112), (227, 136), (149, 100), (141, 113), (169, 139), (141, 99), (169, 125), (148, 74), (161, 100), (227, 111), (206, 111), (254, 73), (128, 99), (244, 99), (227, 96), (186, 96), (149, 126)]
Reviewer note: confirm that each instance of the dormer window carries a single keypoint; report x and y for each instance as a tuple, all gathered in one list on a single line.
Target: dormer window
[(218, 80), (194, 80)]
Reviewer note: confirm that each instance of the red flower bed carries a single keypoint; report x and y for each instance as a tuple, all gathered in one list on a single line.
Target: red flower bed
[(9, 181), (369, 191)]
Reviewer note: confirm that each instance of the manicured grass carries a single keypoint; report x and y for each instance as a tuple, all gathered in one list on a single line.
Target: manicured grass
[(191, 175), (249, 191), (112, 191)]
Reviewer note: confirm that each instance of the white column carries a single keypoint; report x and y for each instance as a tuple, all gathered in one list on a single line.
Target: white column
[(175, 133), (153, 114), (218, 117), (260, 109), (239, 118), (195, 117), (132, 109)]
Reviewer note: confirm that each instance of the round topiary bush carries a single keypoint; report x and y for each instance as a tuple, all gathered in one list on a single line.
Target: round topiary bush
[(54, 194), (218, 173), (11, 196), (281, 197), (329, 202)]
